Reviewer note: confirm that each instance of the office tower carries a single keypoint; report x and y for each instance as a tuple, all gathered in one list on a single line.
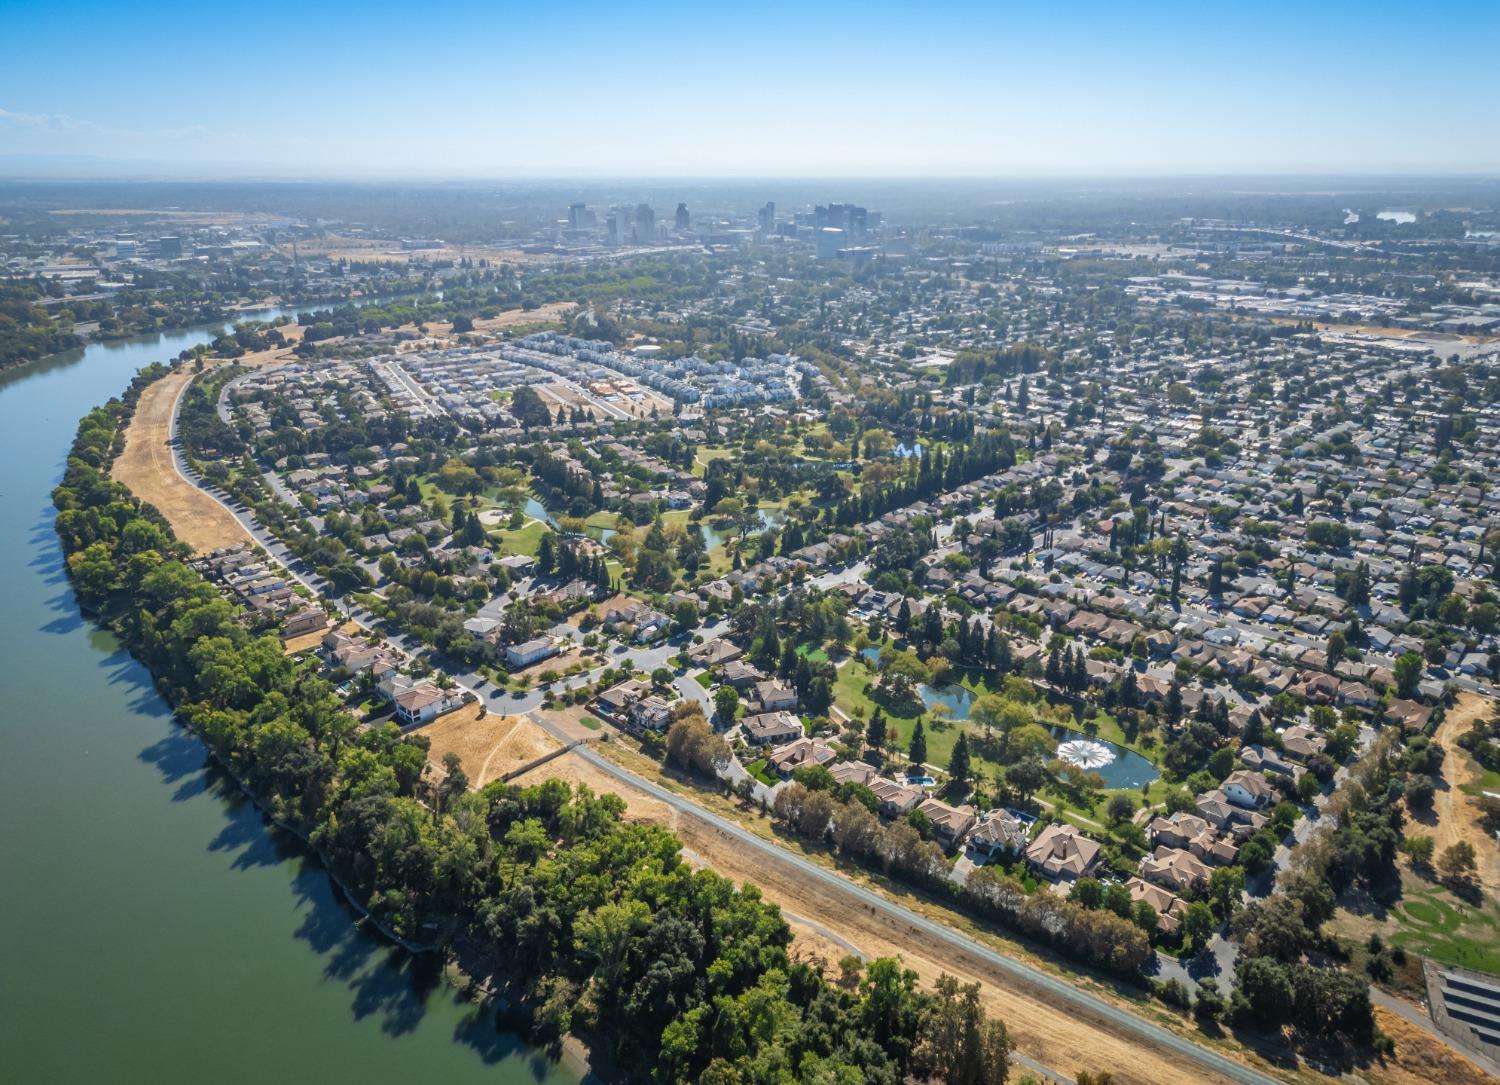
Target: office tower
[(645, 224)]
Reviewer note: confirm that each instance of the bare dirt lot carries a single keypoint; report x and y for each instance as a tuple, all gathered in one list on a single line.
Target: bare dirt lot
[(1458, 814), (487, 747), (146, 467)]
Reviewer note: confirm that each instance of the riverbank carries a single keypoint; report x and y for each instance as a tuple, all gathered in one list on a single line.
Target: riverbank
[(154, 908)]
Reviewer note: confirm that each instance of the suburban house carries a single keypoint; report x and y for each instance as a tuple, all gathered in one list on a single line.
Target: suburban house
[(853, 772), (775, 696), (532, 651), (301, 622), (771, 728), (716, 653), (1216, 809), (1250, 790), (650, 713), (896, 800), (949, 823), (1301, 741), (426, 701), (740, 675), (1265, 760), (1062, 853), (1169, 907), (999, 833), (1175, 868), (1185, 830), (787, 759), (616, 701)]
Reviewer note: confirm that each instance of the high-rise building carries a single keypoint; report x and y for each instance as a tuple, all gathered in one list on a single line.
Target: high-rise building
[(580, 217), (830, 240), (853, 220), (684, 221), (645, 224), (617, 226), (767, 216)]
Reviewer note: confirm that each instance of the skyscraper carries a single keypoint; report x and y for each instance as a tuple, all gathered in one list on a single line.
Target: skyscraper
[(767, 216), (684, 220), (645, 224)]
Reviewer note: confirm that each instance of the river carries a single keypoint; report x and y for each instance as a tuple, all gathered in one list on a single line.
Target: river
[(153, 928)]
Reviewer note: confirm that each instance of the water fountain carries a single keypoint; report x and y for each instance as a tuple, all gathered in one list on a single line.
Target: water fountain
[(1085, 753)]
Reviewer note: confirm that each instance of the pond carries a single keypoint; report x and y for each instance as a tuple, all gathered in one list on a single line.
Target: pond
[(537, 511), (1118, 766), (767, 518)]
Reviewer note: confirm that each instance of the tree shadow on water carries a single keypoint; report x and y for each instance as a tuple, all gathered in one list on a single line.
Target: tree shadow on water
[(181, 759), (385, 981)]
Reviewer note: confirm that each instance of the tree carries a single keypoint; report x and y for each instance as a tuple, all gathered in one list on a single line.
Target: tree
[(1027, 776), (1458, 862), (1408, 670), (1198, 922), (726, 703), (692, 744), (958, 1044), (875, 733), (917, 751), (528, 408), (1120, 808), (959, 767), (685, 617), (1418, 849)]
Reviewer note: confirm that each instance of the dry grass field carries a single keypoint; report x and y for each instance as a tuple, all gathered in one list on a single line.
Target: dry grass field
[(146, 467)]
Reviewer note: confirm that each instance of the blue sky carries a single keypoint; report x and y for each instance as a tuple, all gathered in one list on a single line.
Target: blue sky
[(463, 90)]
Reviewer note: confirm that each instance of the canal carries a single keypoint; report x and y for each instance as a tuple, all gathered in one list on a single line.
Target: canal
[(153, 928)]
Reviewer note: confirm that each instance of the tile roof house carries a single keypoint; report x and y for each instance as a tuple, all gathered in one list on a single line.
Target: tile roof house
[(1169, 907), (1062, 853), (771, 728), (1250, 790), (853, 772), (787, 759), (1175, 868), (949, 823), (896, 800), (426, 701), (999, 832)]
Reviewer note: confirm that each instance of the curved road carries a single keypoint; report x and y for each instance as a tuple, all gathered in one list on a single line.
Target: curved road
[(1123, 1021)]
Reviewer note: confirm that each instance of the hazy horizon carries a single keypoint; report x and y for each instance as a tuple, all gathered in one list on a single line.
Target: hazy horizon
[(583, 90)]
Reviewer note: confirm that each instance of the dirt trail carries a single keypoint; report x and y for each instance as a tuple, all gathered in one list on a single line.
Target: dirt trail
[(1458, 813)]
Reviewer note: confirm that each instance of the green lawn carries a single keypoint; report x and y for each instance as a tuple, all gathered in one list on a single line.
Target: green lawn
[(1431, 921), (759, 770), (525, 540), (704, 679)]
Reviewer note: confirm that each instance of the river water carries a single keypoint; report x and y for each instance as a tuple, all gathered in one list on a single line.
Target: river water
[(153, 928)]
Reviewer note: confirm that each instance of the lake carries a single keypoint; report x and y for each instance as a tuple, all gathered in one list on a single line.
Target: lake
[(156, 930)]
